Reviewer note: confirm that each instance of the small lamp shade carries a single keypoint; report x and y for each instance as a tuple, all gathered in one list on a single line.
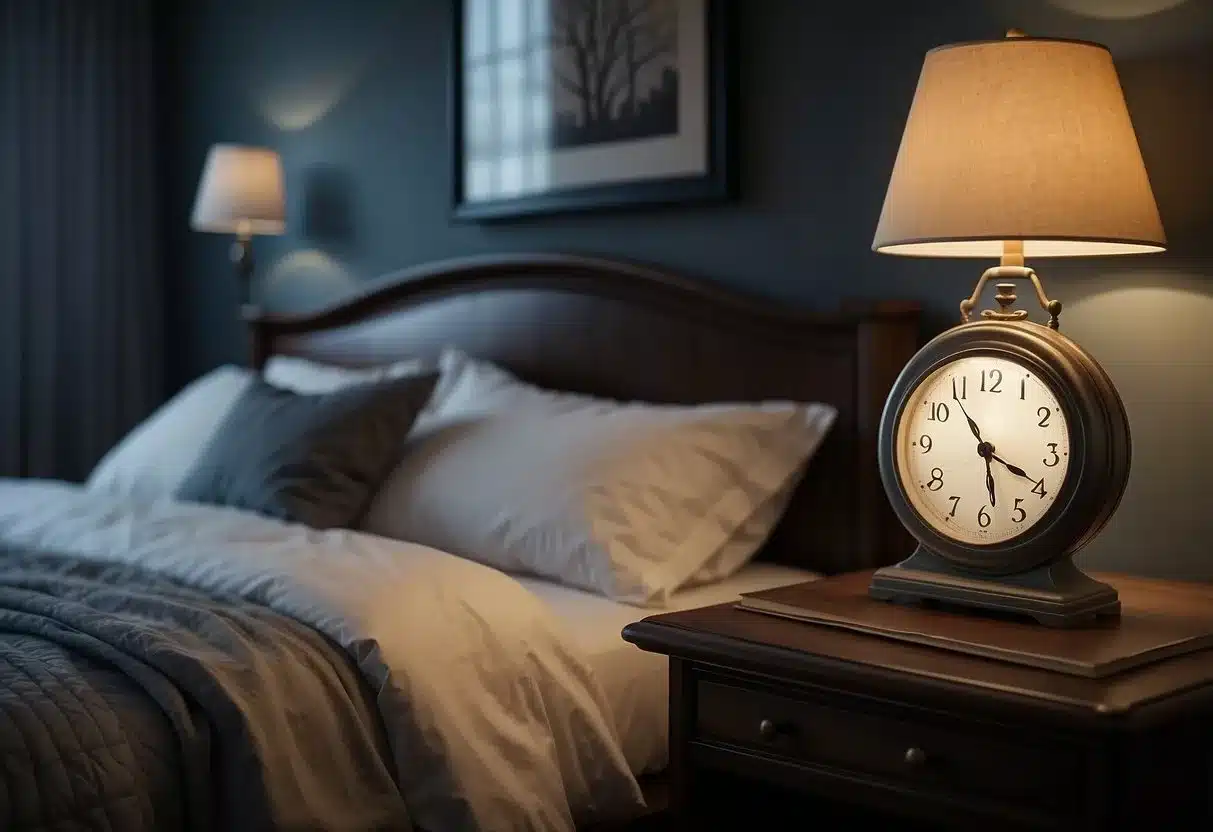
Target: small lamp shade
[(1022, 139), (241, 192)]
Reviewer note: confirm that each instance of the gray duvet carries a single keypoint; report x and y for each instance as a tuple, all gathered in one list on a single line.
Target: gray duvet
[(129, 702)]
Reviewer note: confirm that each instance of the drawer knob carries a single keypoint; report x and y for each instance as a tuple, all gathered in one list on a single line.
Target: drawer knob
[(915, 756), (767, 729)]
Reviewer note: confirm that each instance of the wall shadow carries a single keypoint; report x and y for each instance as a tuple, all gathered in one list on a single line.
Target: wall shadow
[(328, 206)]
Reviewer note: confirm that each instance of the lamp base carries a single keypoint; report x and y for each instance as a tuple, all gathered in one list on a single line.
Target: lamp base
[(242, 257)]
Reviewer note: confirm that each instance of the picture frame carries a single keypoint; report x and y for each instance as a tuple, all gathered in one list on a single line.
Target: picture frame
[(535, 132)]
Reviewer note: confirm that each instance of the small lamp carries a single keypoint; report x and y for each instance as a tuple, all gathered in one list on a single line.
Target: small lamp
[(1018, 148), (241, 192)]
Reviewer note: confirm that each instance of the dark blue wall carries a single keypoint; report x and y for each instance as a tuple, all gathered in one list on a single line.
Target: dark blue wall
[(353, 94)]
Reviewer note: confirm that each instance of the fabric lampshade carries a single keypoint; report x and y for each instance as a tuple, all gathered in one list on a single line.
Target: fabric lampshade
[(241, 192), (1022, 139)]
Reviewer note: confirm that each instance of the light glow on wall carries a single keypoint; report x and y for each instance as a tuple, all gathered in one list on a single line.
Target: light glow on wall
[(1117, 9), (303, 280)]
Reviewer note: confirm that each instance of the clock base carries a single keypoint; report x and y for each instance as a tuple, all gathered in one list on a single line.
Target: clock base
[(1056, 595)]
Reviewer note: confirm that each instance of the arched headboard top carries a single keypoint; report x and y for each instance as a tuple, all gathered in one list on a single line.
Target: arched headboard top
[(565, 273), (632, 332)]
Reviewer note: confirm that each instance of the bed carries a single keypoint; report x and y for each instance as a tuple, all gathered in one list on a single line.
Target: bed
[(351, 608), (627, 331)]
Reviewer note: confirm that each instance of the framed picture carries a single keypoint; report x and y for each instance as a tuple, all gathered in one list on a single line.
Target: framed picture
[(571, 105)]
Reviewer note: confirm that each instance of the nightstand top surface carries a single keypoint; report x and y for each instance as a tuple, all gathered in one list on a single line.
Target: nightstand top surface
[(816, 653)]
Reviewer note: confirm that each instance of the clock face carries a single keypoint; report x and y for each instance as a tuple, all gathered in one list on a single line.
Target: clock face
[(982, 448)]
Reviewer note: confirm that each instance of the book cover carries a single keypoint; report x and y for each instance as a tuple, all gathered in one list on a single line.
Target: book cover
[(1137, 636)]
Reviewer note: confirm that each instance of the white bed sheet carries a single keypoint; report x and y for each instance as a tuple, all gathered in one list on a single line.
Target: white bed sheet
[(635, 682)]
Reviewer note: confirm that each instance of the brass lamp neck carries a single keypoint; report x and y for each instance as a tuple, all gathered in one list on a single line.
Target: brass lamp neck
[(1012, 253)]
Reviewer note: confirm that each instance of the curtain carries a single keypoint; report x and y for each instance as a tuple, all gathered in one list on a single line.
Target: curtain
[(80, 287)]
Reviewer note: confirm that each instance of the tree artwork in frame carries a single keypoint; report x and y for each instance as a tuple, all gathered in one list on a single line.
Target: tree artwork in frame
[(571, 105)]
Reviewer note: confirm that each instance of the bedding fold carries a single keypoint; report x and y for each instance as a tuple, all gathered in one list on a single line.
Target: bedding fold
[(271, 727), (493, 718)]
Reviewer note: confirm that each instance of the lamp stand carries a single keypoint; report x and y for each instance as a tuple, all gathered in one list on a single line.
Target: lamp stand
[(242, 257), (1011, 267)]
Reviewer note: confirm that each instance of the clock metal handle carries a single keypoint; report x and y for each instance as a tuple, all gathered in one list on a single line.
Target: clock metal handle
[(915, 756), (1006, 296)]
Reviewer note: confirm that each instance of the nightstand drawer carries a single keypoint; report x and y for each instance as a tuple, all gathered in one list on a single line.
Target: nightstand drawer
[(944, 757)]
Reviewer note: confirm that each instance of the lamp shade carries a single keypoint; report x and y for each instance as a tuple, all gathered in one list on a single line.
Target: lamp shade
[(1022, 139), (241, 192)]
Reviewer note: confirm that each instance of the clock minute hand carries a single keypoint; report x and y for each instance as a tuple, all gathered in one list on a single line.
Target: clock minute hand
[(984, 449), (972, 425), (990, 483)]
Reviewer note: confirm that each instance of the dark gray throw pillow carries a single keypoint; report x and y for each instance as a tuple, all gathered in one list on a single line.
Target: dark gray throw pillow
[(311, 459)]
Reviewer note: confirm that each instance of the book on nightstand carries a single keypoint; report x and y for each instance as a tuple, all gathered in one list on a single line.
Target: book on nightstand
[(1141, 634)]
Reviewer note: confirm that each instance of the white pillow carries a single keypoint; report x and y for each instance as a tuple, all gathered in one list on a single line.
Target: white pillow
[(630, 500), (744, 543), (304, 376), (154, 458)]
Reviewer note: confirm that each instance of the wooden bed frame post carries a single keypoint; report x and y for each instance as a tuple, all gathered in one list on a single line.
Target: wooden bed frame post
[(884, 345), (260, 335)]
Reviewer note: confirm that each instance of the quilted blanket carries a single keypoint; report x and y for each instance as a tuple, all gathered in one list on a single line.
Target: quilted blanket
[(130, 702), (494, 717)]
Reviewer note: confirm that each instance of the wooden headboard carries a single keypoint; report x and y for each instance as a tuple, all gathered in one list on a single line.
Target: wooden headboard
[(631, 332)]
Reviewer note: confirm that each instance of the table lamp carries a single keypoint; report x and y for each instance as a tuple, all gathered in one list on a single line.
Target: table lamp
[(241, 192), (1017, 149), (1004, 446)]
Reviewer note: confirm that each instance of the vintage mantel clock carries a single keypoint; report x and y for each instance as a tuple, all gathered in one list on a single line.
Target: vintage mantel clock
[(1004, 446)]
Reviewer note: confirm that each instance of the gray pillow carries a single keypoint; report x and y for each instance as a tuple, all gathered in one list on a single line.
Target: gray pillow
[(311, 459)]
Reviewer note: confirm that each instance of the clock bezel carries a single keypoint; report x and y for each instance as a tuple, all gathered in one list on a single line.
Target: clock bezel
[(1098, 435), (1043, 374)]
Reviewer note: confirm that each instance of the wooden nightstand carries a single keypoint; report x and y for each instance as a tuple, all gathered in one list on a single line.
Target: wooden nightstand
[(951, 740)]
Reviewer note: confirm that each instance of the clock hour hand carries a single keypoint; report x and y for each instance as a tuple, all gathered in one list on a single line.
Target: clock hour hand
[(1014, 469), (972, 425)]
